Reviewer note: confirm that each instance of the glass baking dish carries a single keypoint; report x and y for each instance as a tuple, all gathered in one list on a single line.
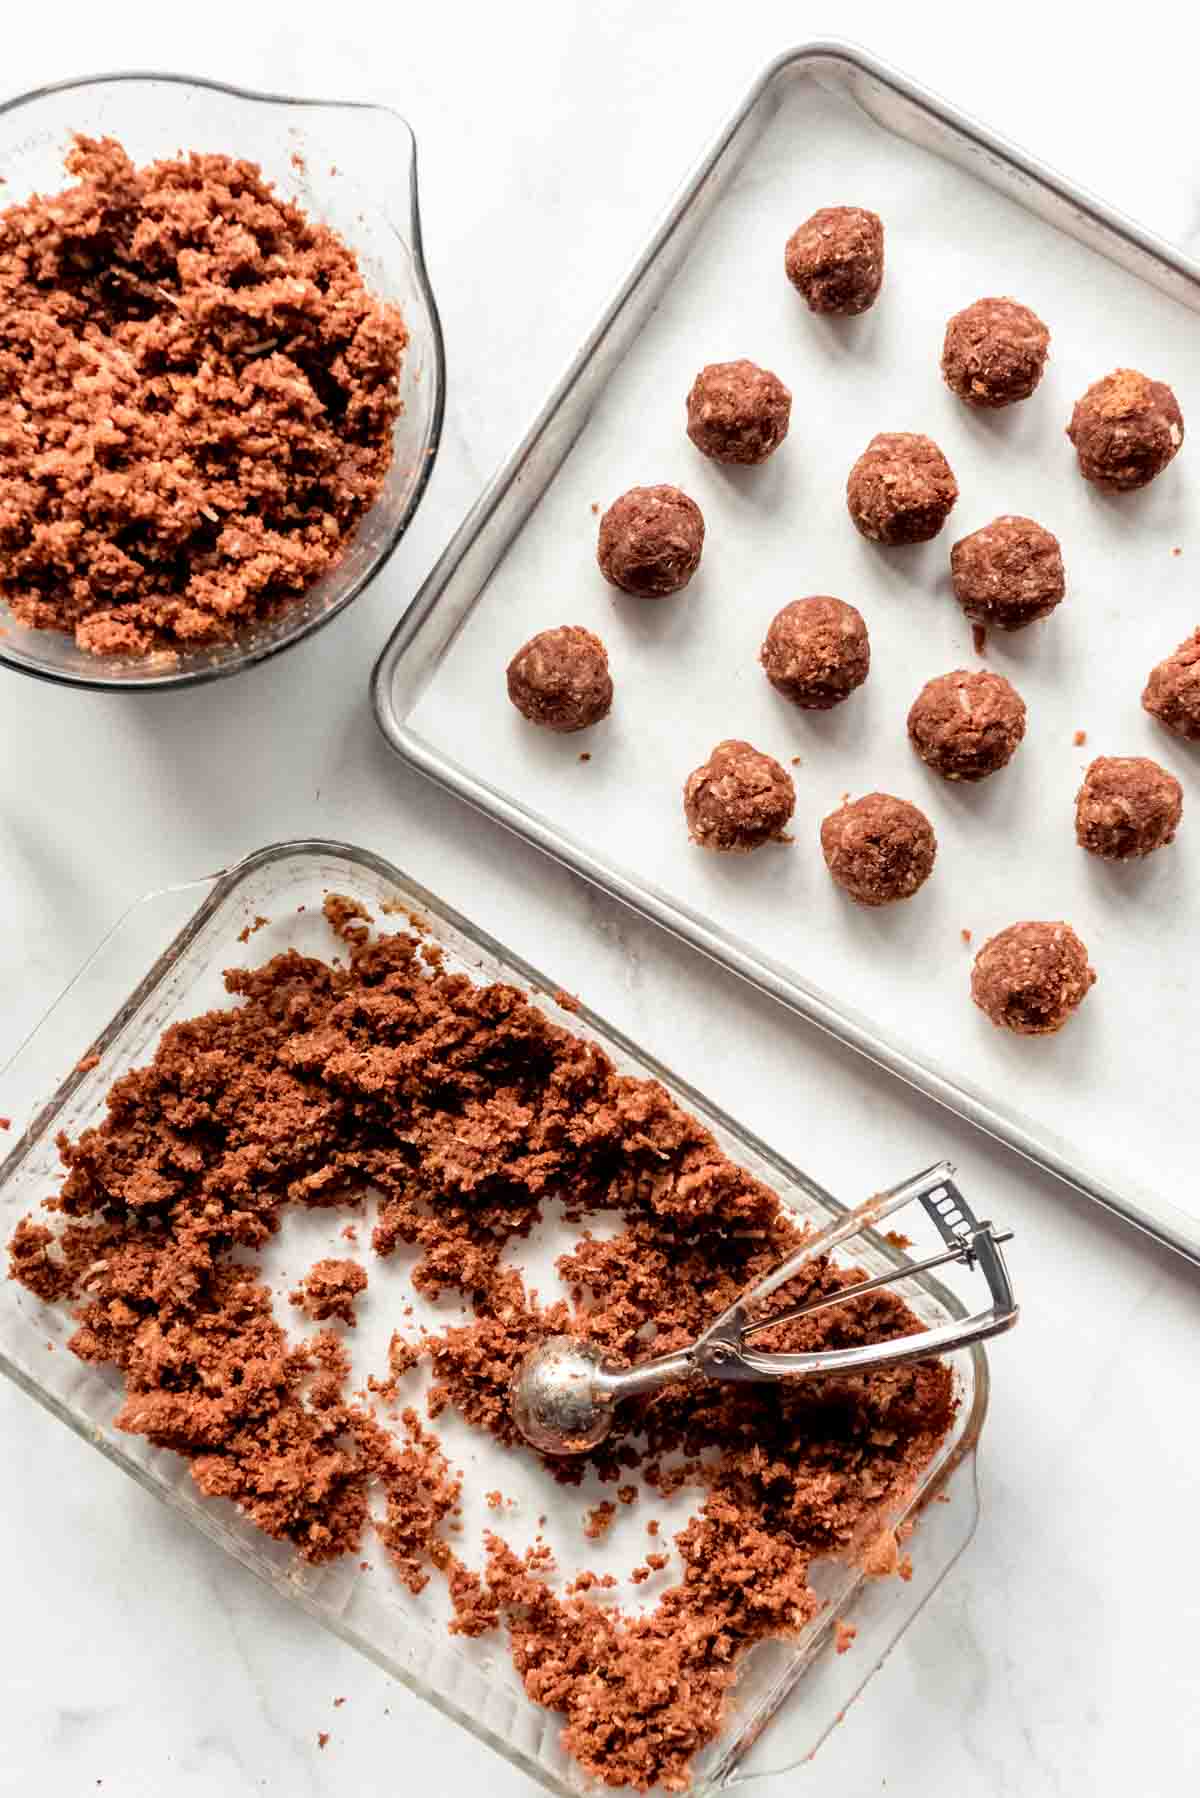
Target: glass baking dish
[(350, 165), (799, 1688), (966, 213)]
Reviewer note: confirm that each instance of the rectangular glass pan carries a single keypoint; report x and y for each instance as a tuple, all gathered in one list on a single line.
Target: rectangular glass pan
[(1108, 1105), (145, 990)]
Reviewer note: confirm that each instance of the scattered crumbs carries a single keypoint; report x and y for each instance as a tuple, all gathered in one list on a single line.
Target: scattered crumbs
[(347, 918), (338, 1702), (50, 1348), (350, 1233), (301, 168), (364, 1566), (843, 1636), (1176, 551), (1079, 739), (657, 1562), (333, 169), (329, 1289), (542, 1521), (626, 1494), (795, 761), (898, 1239), (979, 636), (5, 1123), (88, 1063), (585, 755), (640, 1575), (245, 935), (941, 1498), (598, 1520), (652, 1527), (566, 1001), (494, 1500), (596, 510), (845, 798), (301, 908), (965, 934), (389, 907), (322, 1734), (905, 1569)]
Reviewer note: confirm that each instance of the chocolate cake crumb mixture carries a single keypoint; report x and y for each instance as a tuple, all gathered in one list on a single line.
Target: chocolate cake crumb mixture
[(329, 1289), (738, 412), (966, 725), (738, 799), (560, 679), (878, 849), (197, 395), (1172, 693), (1125, 429), (1127, 807), (465, 1108), (994, 353), (1031, 977), (817, 652), (1009, 573), (835, 259), (901, 489), (651, 541)]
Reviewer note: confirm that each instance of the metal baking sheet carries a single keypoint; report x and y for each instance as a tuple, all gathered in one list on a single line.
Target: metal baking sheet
[(1108, 1104)]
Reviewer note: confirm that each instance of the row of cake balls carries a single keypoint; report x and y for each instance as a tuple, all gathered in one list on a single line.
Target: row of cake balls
[(1007, 574), (965, 724), (1125, 429)]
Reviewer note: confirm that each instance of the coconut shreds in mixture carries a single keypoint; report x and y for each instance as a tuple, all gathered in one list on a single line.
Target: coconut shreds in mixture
[(465, 1107), (197, 398)]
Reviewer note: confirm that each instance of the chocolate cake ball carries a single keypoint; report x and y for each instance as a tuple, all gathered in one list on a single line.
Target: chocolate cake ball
[(738, 799), (560, 679), (835, 259), (1009, 573), (1125, 429), (966, 725), (901, 489), (1172, 693), (816, 652), (650, 541), (994, 352), (878, 849), (1031, 977), (1127, 807), (738, 412)]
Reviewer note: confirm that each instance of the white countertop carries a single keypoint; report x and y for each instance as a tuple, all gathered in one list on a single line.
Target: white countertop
[(1059, 1656)]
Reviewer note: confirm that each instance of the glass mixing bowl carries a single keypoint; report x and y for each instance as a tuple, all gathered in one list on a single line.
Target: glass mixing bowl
[(352, 166)]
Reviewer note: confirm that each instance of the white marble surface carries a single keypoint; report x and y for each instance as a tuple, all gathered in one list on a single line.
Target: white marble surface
[(1059, 1657)]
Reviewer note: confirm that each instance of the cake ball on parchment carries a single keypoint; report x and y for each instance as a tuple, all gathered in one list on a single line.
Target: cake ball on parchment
[(1127, 807), (965, 725), (738, 799), (1172, 693), (994, 353), (738, 412), (1031, 977), (651, 541), (816, 651), (901, 489), (1009, 573), (560, 679), (878, 848), (835, 259), (1125, 429)]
